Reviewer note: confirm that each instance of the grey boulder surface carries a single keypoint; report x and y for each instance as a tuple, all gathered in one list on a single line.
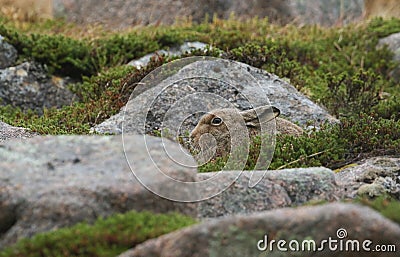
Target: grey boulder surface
[(29, 87), (281, 188), (251, 235), (8, 54), (57, 181), (372, 177), (393, 44), (8, 132), (176, 102)]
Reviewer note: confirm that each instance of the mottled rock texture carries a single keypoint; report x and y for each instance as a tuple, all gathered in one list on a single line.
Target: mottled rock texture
[(177, 101), (240, 235), (52, 182), (29, 87)]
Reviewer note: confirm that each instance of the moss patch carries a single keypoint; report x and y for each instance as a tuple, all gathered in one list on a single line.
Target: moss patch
[(385, 204), (106, 237)]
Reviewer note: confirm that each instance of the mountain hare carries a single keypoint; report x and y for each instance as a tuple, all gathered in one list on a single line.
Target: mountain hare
[(220, 129)]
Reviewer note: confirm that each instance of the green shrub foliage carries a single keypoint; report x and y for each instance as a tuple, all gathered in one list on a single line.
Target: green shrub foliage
[(106, 237)]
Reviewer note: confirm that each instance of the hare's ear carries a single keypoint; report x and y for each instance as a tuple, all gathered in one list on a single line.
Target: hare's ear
[(262, 114)]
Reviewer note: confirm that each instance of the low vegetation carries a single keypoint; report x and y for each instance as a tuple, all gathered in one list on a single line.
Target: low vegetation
[(385, 204), (106, 237), (340, 68), (333, 146)]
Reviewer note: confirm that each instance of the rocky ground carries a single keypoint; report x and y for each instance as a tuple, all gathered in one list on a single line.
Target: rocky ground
[(57, 181), (120, 13)]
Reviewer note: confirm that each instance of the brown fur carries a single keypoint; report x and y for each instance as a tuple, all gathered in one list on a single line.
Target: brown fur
[(236, 129), (286, 127)]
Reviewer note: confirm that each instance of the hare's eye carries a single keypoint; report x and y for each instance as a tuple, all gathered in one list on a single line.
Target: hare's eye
[(216, 121)]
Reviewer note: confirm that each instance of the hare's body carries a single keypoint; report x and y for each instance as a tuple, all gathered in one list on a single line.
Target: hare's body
[(286, 127), (221, 129)]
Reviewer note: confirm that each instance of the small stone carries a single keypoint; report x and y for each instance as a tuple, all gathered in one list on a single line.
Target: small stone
[(371, 190)]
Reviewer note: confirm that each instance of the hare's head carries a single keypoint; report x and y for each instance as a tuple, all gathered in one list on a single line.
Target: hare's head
[(219, 129)]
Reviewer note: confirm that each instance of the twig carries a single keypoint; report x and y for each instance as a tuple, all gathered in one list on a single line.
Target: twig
[(302, 158), (337, 46)]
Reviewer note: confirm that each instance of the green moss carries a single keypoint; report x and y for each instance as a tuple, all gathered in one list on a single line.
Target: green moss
[(100, 97), (383, 28), (269, 56), (351, 95), (68, 120), (389, 108), (385, 204), (106, 237), (61, 54), (76, 58)]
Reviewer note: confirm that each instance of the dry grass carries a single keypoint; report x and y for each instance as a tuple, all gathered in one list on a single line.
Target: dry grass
[(26, 10), (382, 8)]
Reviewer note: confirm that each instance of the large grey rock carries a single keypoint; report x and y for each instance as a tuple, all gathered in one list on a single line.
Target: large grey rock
[(28, 87), (52, 182), (393, 44), (8, 132), (277, 189), (8, 54), (175, 103), (294, 106), (372, 177), (241, 235)]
